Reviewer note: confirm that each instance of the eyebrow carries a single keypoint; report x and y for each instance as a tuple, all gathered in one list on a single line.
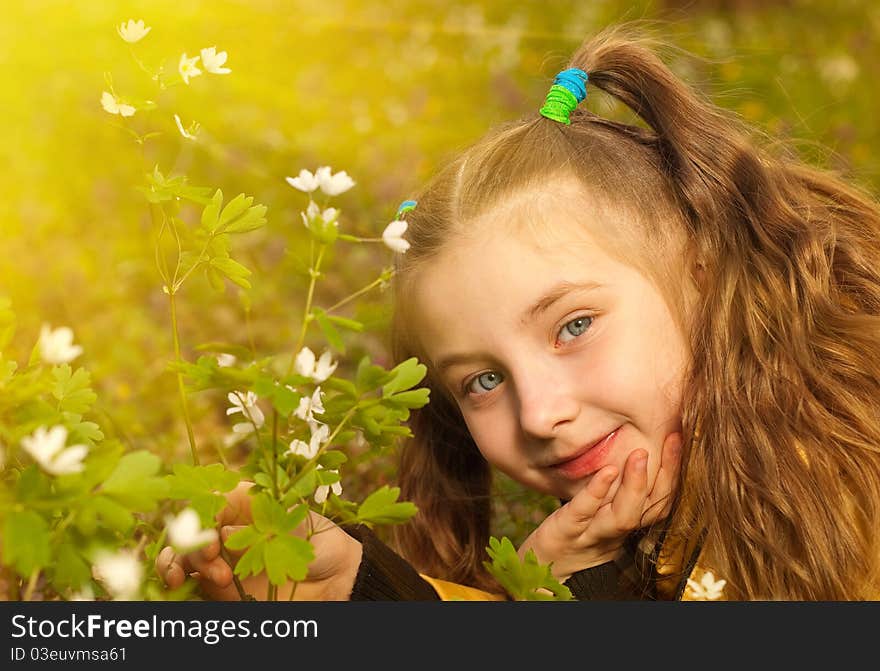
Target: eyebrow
[(541, 305), (553, 295)]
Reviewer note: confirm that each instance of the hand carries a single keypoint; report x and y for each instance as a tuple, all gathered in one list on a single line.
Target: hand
[(586, 532), (331, 575)]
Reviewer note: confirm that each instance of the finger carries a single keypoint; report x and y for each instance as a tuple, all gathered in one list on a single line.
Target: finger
[(170, 568), (583, 505), (626, 507), (211, 550), (238, 505), (659, 501), (215, 570)]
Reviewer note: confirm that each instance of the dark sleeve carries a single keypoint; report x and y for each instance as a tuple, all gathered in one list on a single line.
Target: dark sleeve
[(604, 582), (384, 575), (620, 579)]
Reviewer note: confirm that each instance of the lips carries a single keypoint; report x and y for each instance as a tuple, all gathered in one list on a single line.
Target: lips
[(589, 460)]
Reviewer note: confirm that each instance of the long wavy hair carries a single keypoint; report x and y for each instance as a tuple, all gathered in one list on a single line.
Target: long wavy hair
[(784, 382)]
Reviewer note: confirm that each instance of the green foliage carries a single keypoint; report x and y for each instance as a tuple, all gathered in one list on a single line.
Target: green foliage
[(382, 507), (270, 545), (524, 579)]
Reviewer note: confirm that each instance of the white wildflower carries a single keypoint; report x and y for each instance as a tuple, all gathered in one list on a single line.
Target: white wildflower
[(305, 181), (708, 589), (48, 449), (320, 433), (392, 236), (320, 371), (322, 491), (133, 31), (114, 105), (191, 133), (56, 345), (185, 531), (225, 360), (309, 407), (212, 61), (332, 184), (327, 217), (187, 68), (246, 404), (121, 574)]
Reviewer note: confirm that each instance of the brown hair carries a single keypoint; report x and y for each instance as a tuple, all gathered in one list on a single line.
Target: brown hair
[(784, 333)]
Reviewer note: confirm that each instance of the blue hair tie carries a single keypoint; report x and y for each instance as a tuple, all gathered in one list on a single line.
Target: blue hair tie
[(568, 90), (405, 206)]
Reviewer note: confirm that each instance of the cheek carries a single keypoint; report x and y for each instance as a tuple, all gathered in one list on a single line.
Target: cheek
[(490, 435)]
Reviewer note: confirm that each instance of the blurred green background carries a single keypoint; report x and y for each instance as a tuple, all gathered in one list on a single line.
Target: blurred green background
[(384, 90)]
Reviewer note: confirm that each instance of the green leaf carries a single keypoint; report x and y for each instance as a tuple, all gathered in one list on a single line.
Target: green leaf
[(25, 542), (524, 579), (134, 482), (407, 374), (414, 398), (73, 389), (199, 485), (254, 218), (332, 459), (345, 387), (369, 377), (215, 279), (188, 480), (329, 331), (381, 507), (233, 270), (116, 516), (284, 400), (85, 432), (269, 516), (234, 209), (252, 561), (287, 557), (70, 570), (211, 213), (243, 538), (350, 324), (304, 487)]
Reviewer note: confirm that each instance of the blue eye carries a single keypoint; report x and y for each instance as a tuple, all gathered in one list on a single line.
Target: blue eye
[(574, 328), (486, 381)]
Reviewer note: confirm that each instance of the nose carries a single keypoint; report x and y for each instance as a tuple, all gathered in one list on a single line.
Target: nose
[(547, 404)]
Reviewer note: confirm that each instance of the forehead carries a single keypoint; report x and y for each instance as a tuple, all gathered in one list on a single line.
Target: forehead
[(495, 274)]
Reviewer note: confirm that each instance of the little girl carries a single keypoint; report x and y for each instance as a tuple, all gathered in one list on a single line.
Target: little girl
[(597, 303)]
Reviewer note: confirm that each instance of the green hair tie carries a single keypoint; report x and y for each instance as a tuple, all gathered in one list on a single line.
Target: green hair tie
[(569, 89)]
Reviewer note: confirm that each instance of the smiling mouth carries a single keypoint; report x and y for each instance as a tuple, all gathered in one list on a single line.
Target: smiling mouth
[(589, 460)]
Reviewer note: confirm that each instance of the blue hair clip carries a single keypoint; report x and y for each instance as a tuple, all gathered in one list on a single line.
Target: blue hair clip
[(405, 206)]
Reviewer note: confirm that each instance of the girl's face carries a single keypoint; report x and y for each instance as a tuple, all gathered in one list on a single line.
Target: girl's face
[(561, 359)]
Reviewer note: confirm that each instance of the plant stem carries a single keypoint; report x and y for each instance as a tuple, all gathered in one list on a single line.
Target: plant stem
[(275, 453), (180, 386), (32, 583), (242, 594), (348, 415), (307, 316), (359, 292)]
